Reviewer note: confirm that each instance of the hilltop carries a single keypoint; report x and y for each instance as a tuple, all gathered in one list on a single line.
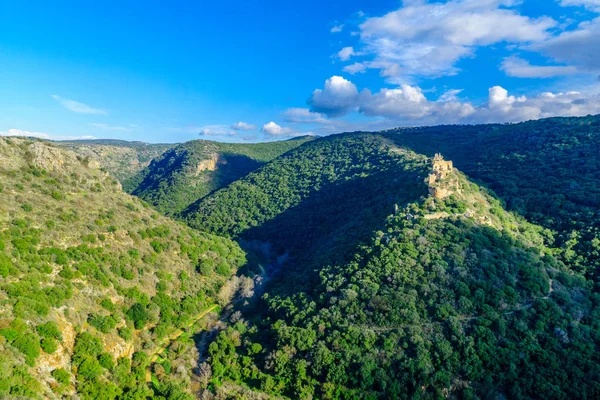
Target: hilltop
[(91, 279), (545, 170), (122, 159), (190, 171)]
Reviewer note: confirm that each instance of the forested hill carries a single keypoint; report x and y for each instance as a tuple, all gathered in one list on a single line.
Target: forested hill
[(122, 159), (449, 295), (92, 279), (193, 169), (318, 200), (545, 170)]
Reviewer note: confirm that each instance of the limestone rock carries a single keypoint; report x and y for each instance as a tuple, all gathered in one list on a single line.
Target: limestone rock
[(208, 165)]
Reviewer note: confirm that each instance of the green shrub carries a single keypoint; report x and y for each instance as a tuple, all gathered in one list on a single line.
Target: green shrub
[(106, 361), (50, 330), (61, 376), (5, 265), (108, 305), (87, 345), (29, 345), (126, 333), (89, 368), (10, 334), (104, 324), (27, 207), (49, 345), (66, 273), (139, 315)]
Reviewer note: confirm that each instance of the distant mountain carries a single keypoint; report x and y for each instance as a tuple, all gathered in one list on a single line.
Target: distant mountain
[(190, 171), (403, 279), (122, 159), (92, 280)]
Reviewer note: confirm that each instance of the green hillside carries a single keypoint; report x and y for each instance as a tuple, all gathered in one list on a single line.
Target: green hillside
[(193, 169), (92, 280), (317, 200), (545, 170), (120, 158), (446, 295)]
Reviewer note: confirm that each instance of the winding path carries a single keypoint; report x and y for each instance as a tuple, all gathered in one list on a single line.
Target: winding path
[(166, 342)]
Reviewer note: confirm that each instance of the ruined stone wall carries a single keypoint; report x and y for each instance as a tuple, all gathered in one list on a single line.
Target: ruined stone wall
[(440, 170)]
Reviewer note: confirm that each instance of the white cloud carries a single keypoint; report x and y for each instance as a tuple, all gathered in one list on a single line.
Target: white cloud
[(337, 28), (590, 4), (355, 68), (107, 127), (215, 130), (407, 105), (206, 130), (41, 135), (338, 97), (303, 115), (78, 107), (519, 68), (578, 47), (243, 126), (345, 53), (450, 95), (428, 39), (272, 128), (406, 101)]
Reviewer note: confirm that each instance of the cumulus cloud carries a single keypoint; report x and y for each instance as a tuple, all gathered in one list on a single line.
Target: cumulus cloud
[(408, 105), (355, 68), (107, 127), (243, 126), (213, 130), (428, 39), (345, 53), (406, 101), (577, 47), (41, 135), (303, 115), (272, 128), (338, 97), (78, 107), (590, 4), (519, 68), (337, 28)]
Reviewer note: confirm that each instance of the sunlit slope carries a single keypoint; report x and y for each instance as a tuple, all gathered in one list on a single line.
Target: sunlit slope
[(91, 278)]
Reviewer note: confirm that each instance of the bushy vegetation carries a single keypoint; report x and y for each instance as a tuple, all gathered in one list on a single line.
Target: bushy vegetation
[(95, 265), (452, 297), (178, 178), (366, 285), (545, 170)]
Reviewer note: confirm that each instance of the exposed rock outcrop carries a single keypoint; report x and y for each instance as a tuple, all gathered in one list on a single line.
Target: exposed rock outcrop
[(208, 165)]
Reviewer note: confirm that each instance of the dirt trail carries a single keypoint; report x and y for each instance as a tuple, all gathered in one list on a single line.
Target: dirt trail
[(166, 342)]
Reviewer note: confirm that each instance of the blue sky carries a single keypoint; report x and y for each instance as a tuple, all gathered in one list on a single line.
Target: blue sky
[(269, 70)]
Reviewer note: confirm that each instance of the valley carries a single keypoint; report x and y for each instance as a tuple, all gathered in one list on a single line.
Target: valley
[(441, 262)]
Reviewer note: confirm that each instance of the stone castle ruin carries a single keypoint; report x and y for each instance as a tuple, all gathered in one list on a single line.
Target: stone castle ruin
[(439, 188)]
